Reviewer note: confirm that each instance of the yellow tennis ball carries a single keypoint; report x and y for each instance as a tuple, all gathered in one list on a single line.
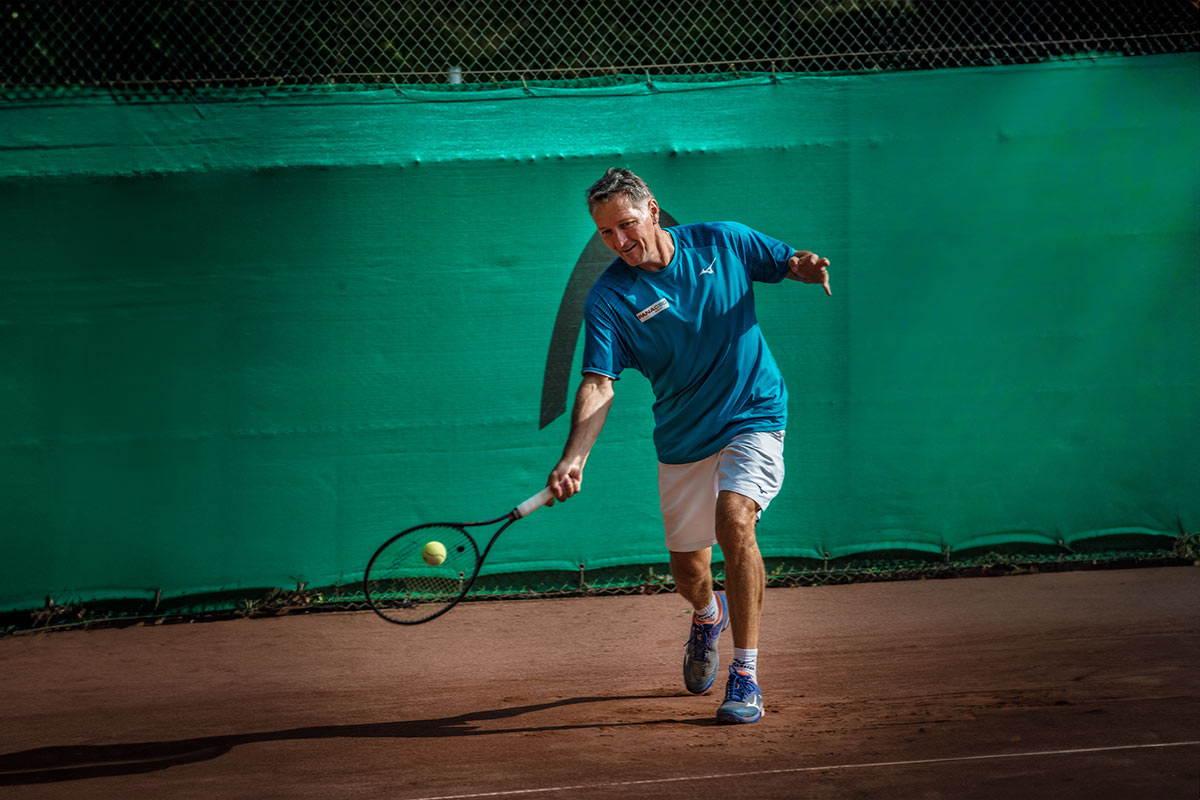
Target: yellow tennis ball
[(434, 553)]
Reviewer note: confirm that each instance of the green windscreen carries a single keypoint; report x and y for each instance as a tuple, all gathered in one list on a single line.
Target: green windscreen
[(244, 341)]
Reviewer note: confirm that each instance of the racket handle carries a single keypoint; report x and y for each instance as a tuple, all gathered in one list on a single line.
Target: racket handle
[(533, 504)]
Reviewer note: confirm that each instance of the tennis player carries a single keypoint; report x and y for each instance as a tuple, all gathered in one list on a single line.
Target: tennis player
[(677, 305)]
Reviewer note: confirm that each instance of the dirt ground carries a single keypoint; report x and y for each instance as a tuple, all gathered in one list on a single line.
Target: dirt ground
[(1067, 685)]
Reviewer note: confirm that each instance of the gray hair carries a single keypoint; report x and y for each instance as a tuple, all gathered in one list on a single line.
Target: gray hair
[(618, 181)]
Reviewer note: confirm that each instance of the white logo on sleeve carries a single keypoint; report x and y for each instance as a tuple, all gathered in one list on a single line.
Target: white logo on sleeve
[(649, 311), (709, 269)]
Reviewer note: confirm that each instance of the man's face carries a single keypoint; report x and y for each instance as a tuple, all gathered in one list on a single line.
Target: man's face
[(628, 228)]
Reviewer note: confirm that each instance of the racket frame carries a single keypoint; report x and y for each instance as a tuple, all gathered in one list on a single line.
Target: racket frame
[(522, 510)]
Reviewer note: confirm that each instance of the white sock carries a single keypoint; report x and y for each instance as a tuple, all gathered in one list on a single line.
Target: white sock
[(710, 613), (746, 661)]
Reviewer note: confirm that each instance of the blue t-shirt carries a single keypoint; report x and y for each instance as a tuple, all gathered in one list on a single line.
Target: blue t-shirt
[(691, 329)]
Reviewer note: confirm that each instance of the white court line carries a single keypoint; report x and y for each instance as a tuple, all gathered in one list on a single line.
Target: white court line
[(791, 770)]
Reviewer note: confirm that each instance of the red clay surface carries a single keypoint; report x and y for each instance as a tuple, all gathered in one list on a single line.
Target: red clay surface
[(1081, 684)]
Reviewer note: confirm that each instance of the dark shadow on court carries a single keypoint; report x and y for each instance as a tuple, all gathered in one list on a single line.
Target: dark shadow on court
[(79, 762)]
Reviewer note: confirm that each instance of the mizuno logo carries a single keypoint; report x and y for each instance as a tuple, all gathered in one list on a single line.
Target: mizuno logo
[(649, 311), (709, 269)]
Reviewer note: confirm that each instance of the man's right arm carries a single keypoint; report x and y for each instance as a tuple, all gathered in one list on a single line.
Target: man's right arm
[(593, 399)]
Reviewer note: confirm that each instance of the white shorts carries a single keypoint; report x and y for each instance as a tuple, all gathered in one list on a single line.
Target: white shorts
[(751, 465)]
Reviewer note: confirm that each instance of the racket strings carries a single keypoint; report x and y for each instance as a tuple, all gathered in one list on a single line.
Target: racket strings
[(403, 583)]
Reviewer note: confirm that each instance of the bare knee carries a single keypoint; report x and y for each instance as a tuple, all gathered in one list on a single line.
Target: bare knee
[(690, 568), (692, 575), (737, 518)]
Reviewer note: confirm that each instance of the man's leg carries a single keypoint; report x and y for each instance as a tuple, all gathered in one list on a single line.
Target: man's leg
[(687, 494), (693, 576), (745, 582), (745, 576), (693, 580)]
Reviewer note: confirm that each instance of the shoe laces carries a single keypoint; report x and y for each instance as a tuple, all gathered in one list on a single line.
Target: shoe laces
[(703, 637), (740, 687)]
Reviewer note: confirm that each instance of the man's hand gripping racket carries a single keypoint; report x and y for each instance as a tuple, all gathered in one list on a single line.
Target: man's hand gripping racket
[(404, 582)]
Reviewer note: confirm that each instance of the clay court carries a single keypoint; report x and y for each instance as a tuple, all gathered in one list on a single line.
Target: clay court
[(1077, 684)]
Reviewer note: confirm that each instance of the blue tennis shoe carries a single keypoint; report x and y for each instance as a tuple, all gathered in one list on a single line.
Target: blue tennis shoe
[(700, 659), (743, 699)]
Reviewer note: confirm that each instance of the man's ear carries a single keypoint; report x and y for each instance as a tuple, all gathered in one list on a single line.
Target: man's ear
[(652, 207)]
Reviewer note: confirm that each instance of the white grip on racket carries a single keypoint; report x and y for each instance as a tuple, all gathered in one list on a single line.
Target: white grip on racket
[(533, 504)]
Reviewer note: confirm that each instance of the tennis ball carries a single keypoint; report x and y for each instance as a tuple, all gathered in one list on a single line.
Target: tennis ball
[(434, 553)]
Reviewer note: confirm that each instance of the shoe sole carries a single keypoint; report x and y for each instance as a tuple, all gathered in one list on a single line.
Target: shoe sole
[(730, 718)]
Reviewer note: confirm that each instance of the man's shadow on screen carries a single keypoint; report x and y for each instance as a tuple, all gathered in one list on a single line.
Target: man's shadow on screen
[(78, 762)]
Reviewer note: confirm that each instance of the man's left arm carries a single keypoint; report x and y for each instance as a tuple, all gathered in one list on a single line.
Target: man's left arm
[(808, 267)]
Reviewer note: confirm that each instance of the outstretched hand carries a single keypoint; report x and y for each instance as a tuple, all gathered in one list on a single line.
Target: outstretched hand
[(808, 267)]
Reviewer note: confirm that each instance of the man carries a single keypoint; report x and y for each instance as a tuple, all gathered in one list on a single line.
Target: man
[(677, 306)]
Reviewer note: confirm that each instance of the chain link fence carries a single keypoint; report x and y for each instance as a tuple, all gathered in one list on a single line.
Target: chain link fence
[(302, 598), (174, 45)]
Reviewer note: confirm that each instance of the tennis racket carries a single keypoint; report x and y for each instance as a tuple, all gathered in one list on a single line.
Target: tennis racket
[(403, 587)]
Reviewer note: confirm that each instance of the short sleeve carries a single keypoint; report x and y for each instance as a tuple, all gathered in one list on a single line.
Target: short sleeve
[(765, 256), (603, 351)]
